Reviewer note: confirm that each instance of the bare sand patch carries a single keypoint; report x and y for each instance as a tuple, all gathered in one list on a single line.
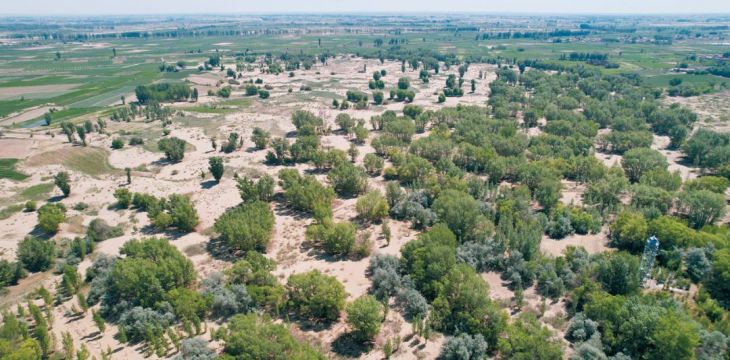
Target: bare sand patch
[(593, 243), (25, 115)]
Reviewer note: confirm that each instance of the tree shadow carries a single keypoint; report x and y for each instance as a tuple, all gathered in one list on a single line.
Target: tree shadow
[(219, 250), (347, 345), (39, 233), (208, 184), (55, 199)]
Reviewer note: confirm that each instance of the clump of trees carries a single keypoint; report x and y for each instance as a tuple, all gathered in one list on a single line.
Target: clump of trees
[(162, 92), (246, 227)]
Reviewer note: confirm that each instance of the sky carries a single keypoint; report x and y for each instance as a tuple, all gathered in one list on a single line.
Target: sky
[(126, 7)]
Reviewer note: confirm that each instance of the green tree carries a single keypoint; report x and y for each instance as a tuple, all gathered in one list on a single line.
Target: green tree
[(334, 238), (315, 296), (246, 227), (701, 207), (372, 206), (215, 165), (463, 304), (123, 196), (636, 162), (61, 180), (629, 232), (364, 315), (252, 337), (619, 273), (673, 338), (347, 179), (260, 138), (527, 338), (458, 210), (50, 216), (36, 254), (252, 190), (174, 148)]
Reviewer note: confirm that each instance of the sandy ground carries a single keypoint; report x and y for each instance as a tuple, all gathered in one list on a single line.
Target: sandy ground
[(25, 115), (288, 248)]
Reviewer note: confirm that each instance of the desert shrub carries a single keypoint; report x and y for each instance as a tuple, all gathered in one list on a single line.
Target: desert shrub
[(124, 197), (372, 206), (195, 349), (256, 190), (150, 269), (138, 322), (347, 179), (581, 328), (465, 346), (260, 138), (334, 238), (136, 140), (178, 211), (144, 202), (482, 255), (227, 300), (256, 337), (216, 167), (715, 184), (117, 143), (50, 216), (305, 193), (364, 316), (36, 254), (315, 296), (174, 148), (384, 274), (10, 273), (246, 227), (412, 303), (373, 164), (99, 230)]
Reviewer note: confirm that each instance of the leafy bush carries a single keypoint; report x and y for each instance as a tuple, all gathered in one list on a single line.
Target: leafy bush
[(315, 296), (36, 254), (246, 227), (251, 190), (364, 316), (152, 267), (334, 238), (99, 230), (50, 216), (305, 192), (124, 197), (465, 346), (347, 179), (257, 337), (372, 206), (174, 148)]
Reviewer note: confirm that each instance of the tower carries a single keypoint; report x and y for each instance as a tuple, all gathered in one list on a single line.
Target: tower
[(647, 259)]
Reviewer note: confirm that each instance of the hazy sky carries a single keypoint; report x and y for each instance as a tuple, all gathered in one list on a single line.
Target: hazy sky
[(86, 7)]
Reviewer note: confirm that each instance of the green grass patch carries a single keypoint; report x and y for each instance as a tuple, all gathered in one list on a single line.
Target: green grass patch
[(7, 170), (88, 160), (8, 211), (36, 192)]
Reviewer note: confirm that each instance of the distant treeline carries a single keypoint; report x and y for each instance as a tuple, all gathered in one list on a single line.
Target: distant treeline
[(533, 34), (162, 92)]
